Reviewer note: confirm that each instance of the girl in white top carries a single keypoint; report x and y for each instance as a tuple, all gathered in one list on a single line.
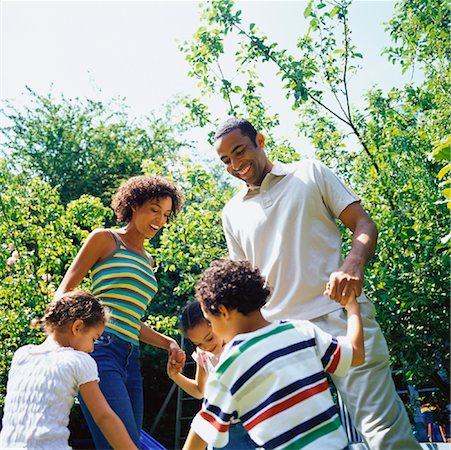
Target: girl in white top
[(198, 330), (44, 379)]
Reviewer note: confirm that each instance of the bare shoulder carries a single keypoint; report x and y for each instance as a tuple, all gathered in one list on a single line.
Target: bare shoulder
[(100, 241)]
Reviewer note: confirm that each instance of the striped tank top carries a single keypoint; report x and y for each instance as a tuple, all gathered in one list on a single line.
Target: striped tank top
[(125, 283)]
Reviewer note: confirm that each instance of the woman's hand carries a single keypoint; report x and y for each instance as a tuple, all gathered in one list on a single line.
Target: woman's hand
[(175, 354), (175, 368)]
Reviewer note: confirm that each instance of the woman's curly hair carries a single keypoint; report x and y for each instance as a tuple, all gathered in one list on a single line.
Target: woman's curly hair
[(137, 190), (72, 306), (234, 284)]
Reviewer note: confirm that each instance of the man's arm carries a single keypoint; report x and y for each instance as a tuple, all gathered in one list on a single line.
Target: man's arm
[(349, 277)]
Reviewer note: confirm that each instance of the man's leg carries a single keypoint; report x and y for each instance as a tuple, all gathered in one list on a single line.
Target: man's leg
[(368, 390)]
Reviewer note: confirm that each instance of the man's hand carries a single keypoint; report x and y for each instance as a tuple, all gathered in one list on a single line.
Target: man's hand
[(347, 280)]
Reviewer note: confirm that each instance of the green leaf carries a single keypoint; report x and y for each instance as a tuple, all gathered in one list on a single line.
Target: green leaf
[(334, 11), (444, 171), (442, 151)]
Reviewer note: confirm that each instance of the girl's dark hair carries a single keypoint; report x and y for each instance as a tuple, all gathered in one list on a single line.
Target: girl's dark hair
[(233, 123), (234, 284), (137, 190), (192, 316), (72, 306)]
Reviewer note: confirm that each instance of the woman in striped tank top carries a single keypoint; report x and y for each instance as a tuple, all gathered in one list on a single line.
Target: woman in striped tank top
[(123, 280)]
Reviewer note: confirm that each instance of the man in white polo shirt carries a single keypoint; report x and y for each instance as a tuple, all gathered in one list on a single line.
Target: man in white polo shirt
[(283, 221)]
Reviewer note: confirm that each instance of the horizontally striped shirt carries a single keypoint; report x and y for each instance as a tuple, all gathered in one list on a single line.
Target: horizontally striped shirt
[(125, 283), (274, 381)]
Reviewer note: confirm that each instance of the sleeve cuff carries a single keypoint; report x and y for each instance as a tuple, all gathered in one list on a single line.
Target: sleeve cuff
[(208, 432), (345, 356)]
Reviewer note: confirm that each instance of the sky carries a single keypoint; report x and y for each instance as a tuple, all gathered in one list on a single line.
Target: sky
[(108, 49)]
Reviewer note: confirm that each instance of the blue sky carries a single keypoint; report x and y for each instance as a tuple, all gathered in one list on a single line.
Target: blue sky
[(129, 49)]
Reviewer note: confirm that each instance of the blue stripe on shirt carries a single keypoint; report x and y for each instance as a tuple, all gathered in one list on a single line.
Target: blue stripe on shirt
[(301, 428), (293, 387), (269, 358)]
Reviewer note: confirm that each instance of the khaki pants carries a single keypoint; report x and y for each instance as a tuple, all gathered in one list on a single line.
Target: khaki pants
[(368, 391)]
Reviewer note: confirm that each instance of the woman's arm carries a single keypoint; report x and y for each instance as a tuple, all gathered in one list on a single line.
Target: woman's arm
[(152, 337), (106, 419), (98, 245), (195, 387)]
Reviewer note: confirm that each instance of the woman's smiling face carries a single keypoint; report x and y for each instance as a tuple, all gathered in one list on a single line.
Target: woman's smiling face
[(151, 216)]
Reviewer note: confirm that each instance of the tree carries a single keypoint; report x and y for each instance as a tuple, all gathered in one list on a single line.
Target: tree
[(39, 238), (390, 168), (86, 146)]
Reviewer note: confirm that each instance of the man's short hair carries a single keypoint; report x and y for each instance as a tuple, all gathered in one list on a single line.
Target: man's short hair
[(233, 123)]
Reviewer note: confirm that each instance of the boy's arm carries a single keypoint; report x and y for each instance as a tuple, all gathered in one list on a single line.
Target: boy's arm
[(106, 419), (194, 442), (355, 327), (355, 331)]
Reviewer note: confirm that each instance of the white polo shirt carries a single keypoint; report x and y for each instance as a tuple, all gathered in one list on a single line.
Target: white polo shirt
[(287, 228)]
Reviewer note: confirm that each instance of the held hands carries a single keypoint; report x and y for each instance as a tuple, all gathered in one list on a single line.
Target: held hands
[(176, 360), (350, 304), (345, 283)]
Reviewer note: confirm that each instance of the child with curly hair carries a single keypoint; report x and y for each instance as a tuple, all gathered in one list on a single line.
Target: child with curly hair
[(271, 376), (44, 379), (197, 329)]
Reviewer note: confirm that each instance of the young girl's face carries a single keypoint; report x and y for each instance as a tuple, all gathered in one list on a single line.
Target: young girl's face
[(83, 339), (203, 337)]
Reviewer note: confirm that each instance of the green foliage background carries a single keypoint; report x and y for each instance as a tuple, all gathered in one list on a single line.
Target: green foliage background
[(62, 160)]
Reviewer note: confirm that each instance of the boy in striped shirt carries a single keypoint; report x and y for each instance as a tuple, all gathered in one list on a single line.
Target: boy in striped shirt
[(271, 376)]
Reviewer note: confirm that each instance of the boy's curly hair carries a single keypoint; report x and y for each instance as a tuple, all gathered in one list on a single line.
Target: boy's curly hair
[(234, 284), (72, 306), (137, 190)]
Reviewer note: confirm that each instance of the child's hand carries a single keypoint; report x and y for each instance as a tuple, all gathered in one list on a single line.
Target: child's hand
[(173, 368), (344, 301), (176, 354)]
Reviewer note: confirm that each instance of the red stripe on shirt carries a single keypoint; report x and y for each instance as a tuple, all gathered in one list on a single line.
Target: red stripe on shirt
[(335, 360), (288, 403), (222, 428)]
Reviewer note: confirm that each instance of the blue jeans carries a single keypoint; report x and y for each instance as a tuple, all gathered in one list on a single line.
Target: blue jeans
[(120, 383), (239, 439)]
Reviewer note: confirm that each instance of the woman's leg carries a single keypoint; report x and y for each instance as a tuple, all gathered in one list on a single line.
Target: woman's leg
[(112, 356), (135, 387)]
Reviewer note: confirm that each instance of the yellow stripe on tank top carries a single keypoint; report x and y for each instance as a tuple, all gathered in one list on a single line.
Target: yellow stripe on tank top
[(123, 319), (114, 275), (121, 308), (131, 257), (118, 264), (145, 294), (122, 331)]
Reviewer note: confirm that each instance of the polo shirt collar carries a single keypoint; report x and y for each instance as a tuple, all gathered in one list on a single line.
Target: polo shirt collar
[(278, 170)]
